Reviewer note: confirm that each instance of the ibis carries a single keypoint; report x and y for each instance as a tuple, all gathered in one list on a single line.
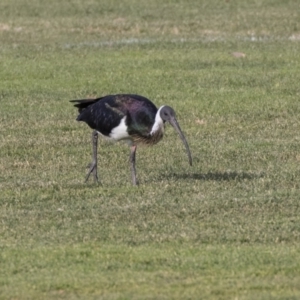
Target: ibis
[(132, 118)]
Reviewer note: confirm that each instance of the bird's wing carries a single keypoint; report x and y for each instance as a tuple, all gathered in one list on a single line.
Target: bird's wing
[(140, 114)]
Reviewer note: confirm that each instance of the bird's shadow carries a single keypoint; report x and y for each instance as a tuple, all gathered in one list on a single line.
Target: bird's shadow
[(216, 176)]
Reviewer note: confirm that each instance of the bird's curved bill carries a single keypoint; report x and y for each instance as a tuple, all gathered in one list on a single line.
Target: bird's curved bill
[(176, 126)]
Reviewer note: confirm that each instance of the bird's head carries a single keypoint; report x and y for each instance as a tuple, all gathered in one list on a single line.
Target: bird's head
[(167, 114)]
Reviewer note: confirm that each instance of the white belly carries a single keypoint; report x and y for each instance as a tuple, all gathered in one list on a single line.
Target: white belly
[(120, 132)]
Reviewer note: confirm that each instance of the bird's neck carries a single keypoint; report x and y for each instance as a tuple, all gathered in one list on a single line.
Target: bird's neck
[(158, 125)]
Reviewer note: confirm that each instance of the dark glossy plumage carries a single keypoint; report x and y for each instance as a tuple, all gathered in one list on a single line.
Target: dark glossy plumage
[(105, 113)]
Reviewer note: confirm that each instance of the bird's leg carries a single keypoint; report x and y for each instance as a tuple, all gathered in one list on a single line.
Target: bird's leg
[(93, 165), (132, 165)]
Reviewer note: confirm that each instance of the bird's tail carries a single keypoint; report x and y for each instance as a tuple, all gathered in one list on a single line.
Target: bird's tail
[(84, 103)]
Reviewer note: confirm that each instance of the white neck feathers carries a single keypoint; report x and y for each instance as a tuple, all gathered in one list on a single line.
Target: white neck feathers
[(158, 123)]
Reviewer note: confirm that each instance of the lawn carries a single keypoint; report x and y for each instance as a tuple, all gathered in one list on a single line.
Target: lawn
[(226, 228)]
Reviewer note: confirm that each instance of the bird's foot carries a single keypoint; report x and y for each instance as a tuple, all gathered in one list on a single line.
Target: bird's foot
[(92, 169), (135, 182)]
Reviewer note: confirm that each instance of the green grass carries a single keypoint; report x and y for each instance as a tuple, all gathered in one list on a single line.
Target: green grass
[(156, 272), (226, 228)]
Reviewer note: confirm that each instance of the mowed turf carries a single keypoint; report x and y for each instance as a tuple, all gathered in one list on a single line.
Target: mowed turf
[(226, 228)]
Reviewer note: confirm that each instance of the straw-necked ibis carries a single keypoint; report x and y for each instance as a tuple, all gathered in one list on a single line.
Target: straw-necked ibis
[(132, 118)]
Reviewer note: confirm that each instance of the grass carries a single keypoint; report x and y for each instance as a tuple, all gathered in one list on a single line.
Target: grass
[(158, 272), (227, 228)]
